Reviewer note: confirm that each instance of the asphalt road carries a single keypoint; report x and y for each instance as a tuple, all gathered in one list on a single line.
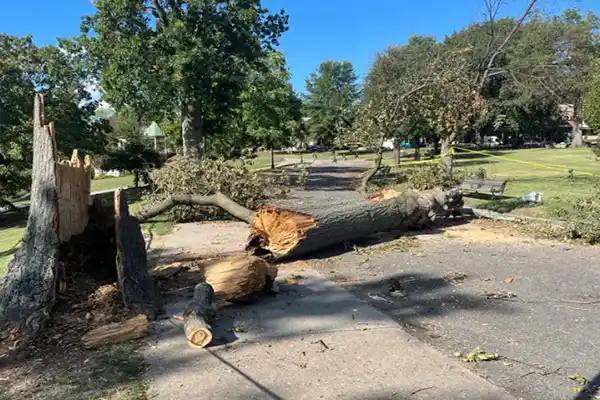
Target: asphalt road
[(546, 333)]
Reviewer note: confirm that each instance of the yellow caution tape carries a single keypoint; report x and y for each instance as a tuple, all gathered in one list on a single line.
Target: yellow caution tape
[(533, 163)]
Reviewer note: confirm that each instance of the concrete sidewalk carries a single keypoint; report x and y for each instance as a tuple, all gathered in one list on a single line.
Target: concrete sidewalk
[(313, 340)]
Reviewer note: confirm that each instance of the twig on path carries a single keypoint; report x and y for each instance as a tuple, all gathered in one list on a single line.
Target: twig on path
[(421, 390)]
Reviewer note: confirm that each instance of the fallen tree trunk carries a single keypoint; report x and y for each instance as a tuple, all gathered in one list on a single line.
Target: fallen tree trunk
[(288, 233), (116, 332), (136, 284), (199, 315)]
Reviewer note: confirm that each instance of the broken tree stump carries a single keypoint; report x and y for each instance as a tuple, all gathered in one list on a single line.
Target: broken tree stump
[(199, 316), (117, 332), (136, 285), (27, 291), (236, 279)]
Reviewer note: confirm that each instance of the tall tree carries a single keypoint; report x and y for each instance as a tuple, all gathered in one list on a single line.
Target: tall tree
[(556, 56), (395, 72), (25, 70), (591, 103), (331, 100), (271, 110), (187, 55)]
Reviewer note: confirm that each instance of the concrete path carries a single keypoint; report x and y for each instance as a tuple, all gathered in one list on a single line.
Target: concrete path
[(313, 340)]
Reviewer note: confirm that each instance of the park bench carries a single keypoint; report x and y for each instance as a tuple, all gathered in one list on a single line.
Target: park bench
[(384, 171), (495, 188)]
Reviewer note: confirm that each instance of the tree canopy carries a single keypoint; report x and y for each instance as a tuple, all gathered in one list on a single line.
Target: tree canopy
[(26, 69), (189, 57), (331, 100)]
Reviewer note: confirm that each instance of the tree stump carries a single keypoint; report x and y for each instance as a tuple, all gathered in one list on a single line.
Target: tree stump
[(136, 285), (27, 291)]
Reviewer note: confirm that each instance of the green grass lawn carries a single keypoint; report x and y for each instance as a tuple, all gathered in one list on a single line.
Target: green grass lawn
[(547, 173), (111, 183)]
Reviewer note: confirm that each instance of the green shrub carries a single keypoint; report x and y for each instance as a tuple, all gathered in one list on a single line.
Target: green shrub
[(181, 175), (582, 218), (433, 175), (596, 150)]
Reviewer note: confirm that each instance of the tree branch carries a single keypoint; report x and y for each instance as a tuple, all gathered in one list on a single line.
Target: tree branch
[(500, 48), (217, 200), (162, 15)]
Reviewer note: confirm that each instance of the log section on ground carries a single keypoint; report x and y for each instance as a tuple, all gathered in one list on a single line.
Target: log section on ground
[(136, 284), (117, 332), (199, 315), (287, 233), (237, 279)]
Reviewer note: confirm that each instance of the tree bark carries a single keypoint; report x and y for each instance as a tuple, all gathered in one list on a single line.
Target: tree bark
[(417, 145), (447, 158), (199, 316), (364, 182), (576, 132), (287, 233), (217, 200), (396, 142), (136, 284), (27, 291), (272, 159), (192, 132)]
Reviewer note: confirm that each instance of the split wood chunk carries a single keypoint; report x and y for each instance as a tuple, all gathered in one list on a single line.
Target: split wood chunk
[(199, 315), (117, 332), (236, 278)]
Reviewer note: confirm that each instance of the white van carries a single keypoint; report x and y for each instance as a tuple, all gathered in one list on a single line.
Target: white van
[(491, 141)]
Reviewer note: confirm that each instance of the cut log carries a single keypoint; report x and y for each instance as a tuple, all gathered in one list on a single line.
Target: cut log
[(27, 291), (286, 233), (116, 332), (136, 284), (199, 315), (237, 278)]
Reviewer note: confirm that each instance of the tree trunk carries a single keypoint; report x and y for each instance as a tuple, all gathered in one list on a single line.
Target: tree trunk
[(417, 146), (136, 284), (287, 233), (192, 132), (272, 159), (436, 145), (27, 291), (577, 133), (396, 142), (447, 158), (364, 182), (199, 316), (333, 156)]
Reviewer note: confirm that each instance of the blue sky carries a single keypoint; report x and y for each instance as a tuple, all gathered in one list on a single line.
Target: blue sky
[(352, 30)]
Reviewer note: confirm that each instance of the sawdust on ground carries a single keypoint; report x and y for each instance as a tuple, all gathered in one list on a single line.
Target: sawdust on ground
[(488, 231)]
